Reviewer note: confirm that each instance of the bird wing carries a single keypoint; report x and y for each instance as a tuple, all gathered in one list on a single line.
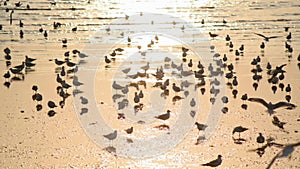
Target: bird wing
[(259, 100), (260, 35), (271, 37), (283, 104)]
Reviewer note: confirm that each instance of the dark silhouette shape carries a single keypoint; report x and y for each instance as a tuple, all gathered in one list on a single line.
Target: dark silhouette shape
[(214, 163), (270, 106)]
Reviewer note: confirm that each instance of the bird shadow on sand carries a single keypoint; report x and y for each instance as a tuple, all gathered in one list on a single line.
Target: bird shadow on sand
[(238, 140), (110, 149)]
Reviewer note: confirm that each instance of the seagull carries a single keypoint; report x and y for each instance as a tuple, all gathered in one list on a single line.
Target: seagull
[(239, 129), (260, 138), (84, 100), (126, 70), (165, 116), (129, 130), (146, 67), (28, 59), (111, 136), (270, 106), (176, 88), (200, 126), (59, 62), (51, 104), (266, 38), (215, 162), (212, 35), (117, 86)]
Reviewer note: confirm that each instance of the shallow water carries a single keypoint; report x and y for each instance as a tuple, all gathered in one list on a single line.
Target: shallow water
[(32, 139)]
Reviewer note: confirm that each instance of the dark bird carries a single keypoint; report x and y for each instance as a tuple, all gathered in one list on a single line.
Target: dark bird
[(286, 28), (281, 86), (234, 93), (70, 64), (244, 97), (65, 85), (45, 34), (136, 98), (200, 126), (63, 71), (28, 59), (266, 38), (18, 4), (278, 123), (107, 60), (141, 94), (260, 138), (224, 21), (270, 106), (111, 136), (289, 36), (15, 71), (262, 46), (165, 116), (51, 104), (288, 88), (129, 130), (214, 163), (6, 75), (38, 97), (34, 88), (227, 38), (239, 129), (20, 67), (212, 35), (176, 88), (58, 62)]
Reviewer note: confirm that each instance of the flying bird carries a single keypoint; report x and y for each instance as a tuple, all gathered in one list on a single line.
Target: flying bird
[(270, 106), (266, 38)]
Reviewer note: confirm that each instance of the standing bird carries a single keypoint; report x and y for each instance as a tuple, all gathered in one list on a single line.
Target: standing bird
[(111, 136), (165, 116), (239, 129), (51, 104), (129, 130), (136, 98), (176, 88), (288, 88), (212, 35), (193, 102), (260, 139), (262, 46), (200, 126), (270, 106), (146, 67), (214, 163), (289, 36)]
